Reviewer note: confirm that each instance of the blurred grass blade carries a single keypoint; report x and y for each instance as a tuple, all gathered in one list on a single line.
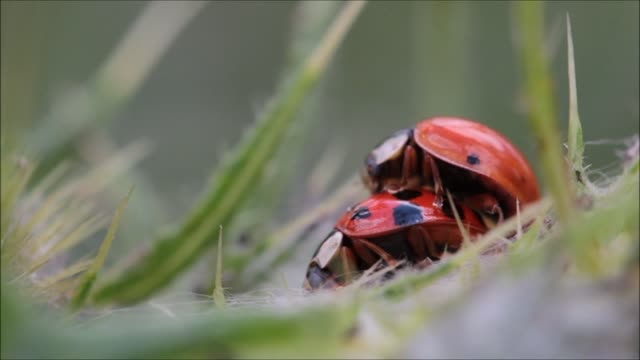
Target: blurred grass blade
[(441, 33), (310, 19), (575, 144), (69, 271), (90, 275), (529, 18), (326, 168), (218, 290), (64, 200), (466, 238), (255, 265), (116, 81), (240, 170), (77, 115), (617, 212), (81, 231), (250, 333), (15, 176)]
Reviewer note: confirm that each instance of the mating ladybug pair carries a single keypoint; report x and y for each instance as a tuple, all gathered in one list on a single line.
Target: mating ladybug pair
[(407, 216)]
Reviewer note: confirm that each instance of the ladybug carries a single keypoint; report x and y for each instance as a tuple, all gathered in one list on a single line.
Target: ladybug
[(390, 227), (477, 164)]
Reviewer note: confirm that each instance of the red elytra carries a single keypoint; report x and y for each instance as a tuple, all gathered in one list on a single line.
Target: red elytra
[(392, 227), (477, 164), (454, 140), (385, 213)]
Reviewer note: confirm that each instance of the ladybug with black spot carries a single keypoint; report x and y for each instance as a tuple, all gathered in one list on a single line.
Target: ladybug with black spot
[(390, 227), (480, 167)]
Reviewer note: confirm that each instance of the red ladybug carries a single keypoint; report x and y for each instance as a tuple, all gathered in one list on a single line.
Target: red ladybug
[(477, 164), (404, 225)]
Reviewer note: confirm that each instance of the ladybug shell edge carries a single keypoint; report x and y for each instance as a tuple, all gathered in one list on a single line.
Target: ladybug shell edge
[(480, 149), (384, 213)]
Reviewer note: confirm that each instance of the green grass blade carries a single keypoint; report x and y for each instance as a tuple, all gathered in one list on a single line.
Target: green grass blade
[(81, 231), (615, 213), (69, 271), (79, 116), (529, 17), (575, 144), (218, 290), (175, 251), (115, 82), (90, 275), (309, 20), (17, 177), (251, 333)]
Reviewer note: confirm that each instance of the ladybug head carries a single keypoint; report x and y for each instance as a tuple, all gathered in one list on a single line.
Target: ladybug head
[(378, 164)]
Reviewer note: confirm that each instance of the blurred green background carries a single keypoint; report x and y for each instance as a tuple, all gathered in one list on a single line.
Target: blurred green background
[(402, 62)]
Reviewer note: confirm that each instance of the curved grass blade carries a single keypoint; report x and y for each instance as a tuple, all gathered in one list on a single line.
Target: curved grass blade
[(115, 82), (529, 18), (240, 170), (278, 245), (89, 277), (79, 116), (310, 20)]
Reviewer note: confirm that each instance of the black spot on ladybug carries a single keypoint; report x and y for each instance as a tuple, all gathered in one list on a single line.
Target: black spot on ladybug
[(473, 159), (361, 213), (407, 194), (406, 214)]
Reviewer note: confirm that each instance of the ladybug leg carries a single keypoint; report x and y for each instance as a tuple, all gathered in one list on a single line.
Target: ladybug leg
[(409, 165), (376, 249), (486, 204), (363, 252), (417, 243), (430, 163), (432, 249), (421, 243)]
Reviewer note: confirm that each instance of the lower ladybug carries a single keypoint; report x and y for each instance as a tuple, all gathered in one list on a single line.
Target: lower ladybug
[(401, 226), (478, 165)]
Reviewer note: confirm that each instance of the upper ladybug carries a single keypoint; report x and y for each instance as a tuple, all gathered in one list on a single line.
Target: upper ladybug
[(476, 163)]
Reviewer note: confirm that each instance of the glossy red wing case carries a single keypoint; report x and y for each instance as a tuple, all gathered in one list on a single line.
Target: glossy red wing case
[(384, 213), (478, 148)]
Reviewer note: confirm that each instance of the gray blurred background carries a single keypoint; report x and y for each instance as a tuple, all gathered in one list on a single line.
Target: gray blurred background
[(402, 62)]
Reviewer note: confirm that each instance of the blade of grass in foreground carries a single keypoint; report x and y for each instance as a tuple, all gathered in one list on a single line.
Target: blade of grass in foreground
[(529, 17), (79, 116), (175, 251), (218, 290), (89, 277), (252, 332)]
